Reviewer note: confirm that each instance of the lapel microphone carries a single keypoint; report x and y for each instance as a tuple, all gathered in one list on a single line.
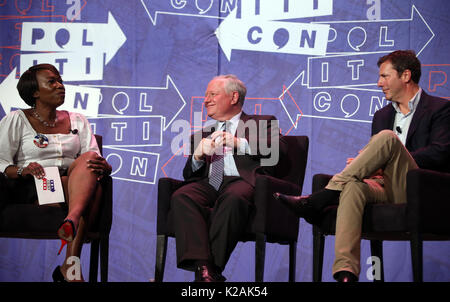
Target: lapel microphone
[(74, 131), (399, 130)]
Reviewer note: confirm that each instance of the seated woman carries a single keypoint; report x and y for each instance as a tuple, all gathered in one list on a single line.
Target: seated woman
[(42, 136)]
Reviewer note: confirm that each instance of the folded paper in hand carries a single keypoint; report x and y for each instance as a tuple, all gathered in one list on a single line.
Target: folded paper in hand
[(49, 188)]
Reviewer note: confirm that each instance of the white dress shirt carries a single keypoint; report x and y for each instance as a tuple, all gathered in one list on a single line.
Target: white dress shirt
[(18, 148), (402, 121), (230, 168)]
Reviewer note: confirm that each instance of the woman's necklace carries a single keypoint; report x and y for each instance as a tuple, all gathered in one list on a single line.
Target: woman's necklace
[(45, 123)]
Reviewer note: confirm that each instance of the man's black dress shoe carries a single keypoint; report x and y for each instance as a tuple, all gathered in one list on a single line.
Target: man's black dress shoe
[(204, 273), (310, 207), (345, 276), (300, 205)]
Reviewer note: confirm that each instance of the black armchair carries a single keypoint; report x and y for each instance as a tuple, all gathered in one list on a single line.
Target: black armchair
[(272, 222), (423, 217), (31, 221)]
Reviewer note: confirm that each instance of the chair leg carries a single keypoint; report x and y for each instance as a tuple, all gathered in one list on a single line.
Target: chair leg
[(376, 249), (104, 258), (417, 256), (318, 249), (161, 250), (93, 262), (292, 260), (260, 255)]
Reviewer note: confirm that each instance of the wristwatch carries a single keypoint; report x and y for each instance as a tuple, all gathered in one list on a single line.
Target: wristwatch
[(19, 171)]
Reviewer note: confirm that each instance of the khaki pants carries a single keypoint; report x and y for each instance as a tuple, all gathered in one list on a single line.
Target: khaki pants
[(384, 151)]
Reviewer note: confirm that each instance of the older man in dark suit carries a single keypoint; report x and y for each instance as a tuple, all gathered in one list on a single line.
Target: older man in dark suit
[(413, 131), (211, 210)]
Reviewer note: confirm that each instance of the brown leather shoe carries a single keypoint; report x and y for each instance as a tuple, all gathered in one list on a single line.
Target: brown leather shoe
[(204, 273)]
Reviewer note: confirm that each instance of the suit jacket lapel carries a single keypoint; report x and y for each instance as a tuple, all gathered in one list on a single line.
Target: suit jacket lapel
[(242, 120), (420, 111), (391, 118)]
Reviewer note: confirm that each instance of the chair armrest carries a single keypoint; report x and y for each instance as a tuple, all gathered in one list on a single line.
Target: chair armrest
[(270, 214), (166, 186), (428, 203), (320, 181)]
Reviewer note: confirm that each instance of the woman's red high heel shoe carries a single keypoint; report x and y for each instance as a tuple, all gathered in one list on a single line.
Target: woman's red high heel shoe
[(63, 243), (66, 232)]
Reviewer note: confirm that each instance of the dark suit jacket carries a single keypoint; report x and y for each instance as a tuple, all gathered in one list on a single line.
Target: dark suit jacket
[(248, 165), (428, 138)]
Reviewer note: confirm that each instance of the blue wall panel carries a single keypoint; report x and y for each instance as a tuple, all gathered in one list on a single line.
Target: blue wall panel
[(139, 69)]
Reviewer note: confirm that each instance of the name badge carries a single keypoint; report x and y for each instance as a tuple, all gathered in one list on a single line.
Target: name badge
[(40, 141)]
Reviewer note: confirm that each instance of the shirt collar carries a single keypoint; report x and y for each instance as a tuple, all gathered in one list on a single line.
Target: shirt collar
[(412, 104), (234, 120)]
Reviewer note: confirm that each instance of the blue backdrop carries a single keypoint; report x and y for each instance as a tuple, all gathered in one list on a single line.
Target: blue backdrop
[(138, 69)]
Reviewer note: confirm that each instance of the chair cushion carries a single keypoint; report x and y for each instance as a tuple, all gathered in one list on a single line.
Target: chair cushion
[(385, 218), (377, 218)]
